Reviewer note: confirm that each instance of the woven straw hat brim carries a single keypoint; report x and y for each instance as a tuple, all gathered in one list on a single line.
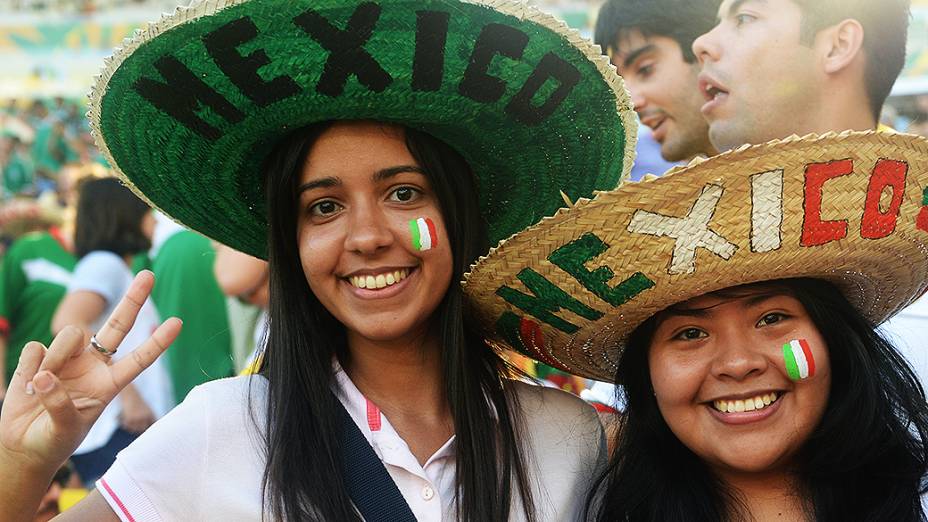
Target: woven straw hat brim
[(22, 215), (188, 108), (850, 208)]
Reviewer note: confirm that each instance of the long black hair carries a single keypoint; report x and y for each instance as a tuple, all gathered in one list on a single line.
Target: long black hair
[(303, 478), (109, 217), (865, 461)]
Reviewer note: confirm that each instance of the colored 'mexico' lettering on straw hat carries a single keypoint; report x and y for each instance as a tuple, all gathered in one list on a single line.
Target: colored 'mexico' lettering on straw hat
[(849, 208), (798, 358)]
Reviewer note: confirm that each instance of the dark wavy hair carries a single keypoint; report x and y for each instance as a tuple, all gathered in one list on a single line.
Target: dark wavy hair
[(303, 477), (109, 217), (865, 461), (681, 20)]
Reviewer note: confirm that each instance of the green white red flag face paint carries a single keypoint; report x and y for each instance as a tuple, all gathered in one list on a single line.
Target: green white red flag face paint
[(424, 234), (798, 358)]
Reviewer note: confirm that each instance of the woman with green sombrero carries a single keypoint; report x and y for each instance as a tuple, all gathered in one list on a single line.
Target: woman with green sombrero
[(736, 302), (371, 151)]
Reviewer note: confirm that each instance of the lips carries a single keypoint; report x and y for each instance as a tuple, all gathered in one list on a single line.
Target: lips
[(655, 122), (712, 91)]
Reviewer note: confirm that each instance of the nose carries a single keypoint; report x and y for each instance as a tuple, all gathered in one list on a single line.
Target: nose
[(638, 100), (368, 230), (706, 48), (739, 357)]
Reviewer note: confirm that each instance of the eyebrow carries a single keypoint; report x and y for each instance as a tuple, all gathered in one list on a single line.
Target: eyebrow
[(318, 183), (634, 55), (388, 173), (704, 312), (377, 177)]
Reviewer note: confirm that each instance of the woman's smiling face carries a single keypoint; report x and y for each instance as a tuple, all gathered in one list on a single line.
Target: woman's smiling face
[(720, 380), (359, 190)]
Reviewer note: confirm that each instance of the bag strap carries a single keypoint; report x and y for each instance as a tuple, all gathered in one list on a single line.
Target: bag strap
[(370, 486)]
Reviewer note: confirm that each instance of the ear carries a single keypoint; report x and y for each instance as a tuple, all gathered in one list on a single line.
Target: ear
[(840, 45)]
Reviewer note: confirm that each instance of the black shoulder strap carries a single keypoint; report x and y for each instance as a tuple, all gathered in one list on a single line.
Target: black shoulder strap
[(370, 486)]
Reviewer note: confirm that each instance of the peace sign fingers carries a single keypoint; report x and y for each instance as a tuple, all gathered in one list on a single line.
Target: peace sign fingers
[(123, 317), (127, 369)]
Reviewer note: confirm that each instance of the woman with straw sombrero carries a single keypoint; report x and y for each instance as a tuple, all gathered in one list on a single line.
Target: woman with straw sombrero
[(736, 301), (370, 151)]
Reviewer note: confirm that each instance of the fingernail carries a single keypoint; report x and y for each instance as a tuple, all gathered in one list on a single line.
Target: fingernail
[(30, 390), (43, 382)]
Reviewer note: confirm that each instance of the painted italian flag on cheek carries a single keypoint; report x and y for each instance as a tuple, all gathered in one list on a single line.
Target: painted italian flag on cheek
[(424, 235), (798, 357)]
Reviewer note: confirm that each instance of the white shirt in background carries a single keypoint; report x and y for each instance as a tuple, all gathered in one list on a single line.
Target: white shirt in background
[(908, 331), (106, 274)]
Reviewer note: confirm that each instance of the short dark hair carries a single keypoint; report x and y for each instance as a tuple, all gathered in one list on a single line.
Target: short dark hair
[(109, 217), (681, 20), (886, 27)]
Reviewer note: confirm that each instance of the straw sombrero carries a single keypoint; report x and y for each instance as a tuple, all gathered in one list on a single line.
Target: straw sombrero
[(22, 215), (850, 208), (188, 108)]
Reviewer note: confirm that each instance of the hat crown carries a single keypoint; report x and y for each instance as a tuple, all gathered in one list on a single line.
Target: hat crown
[(200, 97)]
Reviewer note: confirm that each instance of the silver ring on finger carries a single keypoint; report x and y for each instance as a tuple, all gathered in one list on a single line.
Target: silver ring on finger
[(99, 347)]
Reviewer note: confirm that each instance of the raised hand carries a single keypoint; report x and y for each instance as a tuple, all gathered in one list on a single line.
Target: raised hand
[(56, 394)]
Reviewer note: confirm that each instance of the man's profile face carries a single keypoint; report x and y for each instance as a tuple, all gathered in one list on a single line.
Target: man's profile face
[(758, 81), (664, 92)]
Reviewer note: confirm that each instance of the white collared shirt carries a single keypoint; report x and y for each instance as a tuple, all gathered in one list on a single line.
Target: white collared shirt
[(428, 489), (204, 460)]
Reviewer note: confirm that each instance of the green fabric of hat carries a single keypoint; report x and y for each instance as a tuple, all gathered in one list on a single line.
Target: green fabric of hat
[(191, 105)]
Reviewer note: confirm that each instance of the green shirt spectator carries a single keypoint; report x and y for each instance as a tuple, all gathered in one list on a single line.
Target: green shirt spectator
[(185, 287), (34, 277)]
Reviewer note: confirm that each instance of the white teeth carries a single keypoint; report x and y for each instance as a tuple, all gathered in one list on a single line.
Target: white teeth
[(742, 405), (380, 280)]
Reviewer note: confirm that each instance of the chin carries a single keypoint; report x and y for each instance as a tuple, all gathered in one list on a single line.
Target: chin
[(756, 463), (385, 331), (725, 137)]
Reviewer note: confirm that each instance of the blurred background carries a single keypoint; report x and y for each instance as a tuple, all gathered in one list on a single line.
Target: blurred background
[(51, 49)]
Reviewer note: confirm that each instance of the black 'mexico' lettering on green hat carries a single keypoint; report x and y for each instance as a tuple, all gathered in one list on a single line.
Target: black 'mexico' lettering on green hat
[(189, 107)]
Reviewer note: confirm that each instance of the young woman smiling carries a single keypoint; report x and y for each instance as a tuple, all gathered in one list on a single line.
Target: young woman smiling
[(385, 169), (717, 429), (756, 385)]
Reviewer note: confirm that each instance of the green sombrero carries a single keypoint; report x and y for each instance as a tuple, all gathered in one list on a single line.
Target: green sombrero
[(188, 108)]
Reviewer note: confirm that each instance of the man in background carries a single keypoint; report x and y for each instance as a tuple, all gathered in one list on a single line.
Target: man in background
[(650, 43), (773, 68)]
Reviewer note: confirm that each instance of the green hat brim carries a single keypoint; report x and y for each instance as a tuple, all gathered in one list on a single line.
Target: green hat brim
[(189, 107)]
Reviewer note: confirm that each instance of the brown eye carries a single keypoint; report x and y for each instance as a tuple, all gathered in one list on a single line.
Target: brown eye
[(770, 319), (324, 208), (404, 194), (691, 334)]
